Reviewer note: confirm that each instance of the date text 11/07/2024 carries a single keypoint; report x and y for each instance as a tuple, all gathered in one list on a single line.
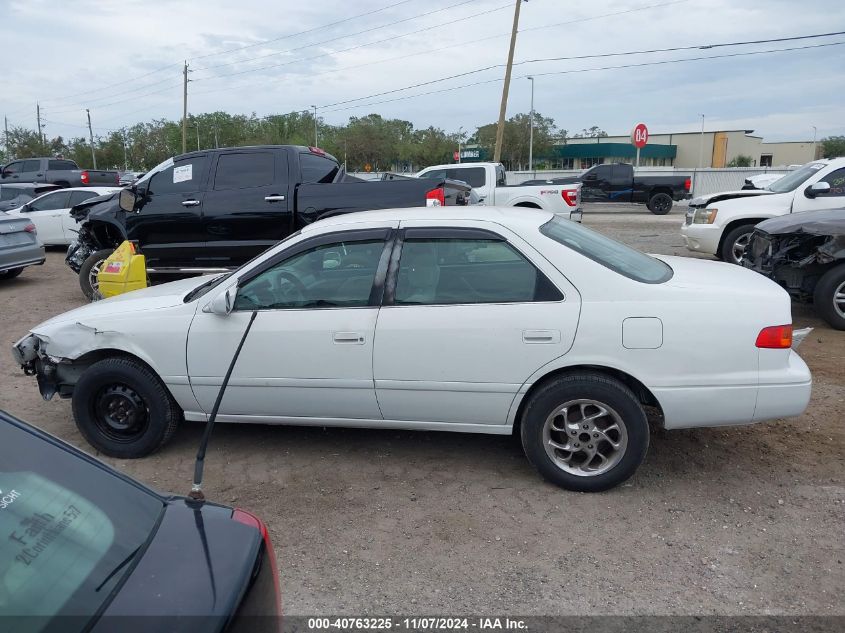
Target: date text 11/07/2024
[(417, 623)]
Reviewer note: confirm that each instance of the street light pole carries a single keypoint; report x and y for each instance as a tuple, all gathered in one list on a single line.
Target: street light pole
[(316, 137), (531, 129), (701, 144), (197, 124), (815, 149)]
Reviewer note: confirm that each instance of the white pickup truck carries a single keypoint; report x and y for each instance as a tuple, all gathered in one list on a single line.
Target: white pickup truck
[(489, 182), (721, 223)]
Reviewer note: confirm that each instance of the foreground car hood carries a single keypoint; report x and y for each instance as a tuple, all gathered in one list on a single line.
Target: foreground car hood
[(153, 298), (703, 201), (826, 222)]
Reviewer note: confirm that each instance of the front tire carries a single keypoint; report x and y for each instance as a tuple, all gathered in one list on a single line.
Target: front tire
[(660, 203), (11, 273), (88, 280), (585, 432), (829, 297), (733, 246), (123, 409)]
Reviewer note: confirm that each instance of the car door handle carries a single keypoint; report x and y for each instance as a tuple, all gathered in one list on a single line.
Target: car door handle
[(540, 336), (190, 203), (349, 338), (274, 198)]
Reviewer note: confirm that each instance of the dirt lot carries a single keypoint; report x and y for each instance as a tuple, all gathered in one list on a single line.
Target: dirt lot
[(725, 521)]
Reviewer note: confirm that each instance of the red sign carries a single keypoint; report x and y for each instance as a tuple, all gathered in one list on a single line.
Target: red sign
[(456, 156), (639, 135)]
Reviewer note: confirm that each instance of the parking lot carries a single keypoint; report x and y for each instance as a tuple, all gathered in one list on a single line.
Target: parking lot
[(725, 521)]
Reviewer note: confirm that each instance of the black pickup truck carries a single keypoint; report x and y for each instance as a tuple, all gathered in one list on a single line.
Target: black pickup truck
[(213, 210), (56, 171), (616, 182)]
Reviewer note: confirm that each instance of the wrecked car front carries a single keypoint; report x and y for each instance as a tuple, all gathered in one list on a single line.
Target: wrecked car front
[(148, 324)]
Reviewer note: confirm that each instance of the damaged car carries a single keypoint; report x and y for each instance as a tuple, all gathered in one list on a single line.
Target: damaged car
[(804, 253)]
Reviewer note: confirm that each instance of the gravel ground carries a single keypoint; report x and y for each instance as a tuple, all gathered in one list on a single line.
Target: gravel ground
[(728, 521)]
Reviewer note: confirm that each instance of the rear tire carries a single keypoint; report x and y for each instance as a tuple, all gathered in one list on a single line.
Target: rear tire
[(734, 244), (88, 273), (660, 203), (123, 409), (829, 297), (11, 273), (585, 432)]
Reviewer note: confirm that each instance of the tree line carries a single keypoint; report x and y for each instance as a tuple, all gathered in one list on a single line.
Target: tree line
[(371, 140)]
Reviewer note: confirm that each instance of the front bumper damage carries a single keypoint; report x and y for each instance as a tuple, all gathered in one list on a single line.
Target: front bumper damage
[(53, 374)]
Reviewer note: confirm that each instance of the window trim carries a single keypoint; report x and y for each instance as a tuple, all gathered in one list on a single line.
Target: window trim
[(386, 234), (454, 233)]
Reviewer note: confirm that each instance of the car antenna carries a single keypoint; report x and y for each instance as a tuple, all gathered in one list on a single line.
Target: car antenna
[(196, 488)]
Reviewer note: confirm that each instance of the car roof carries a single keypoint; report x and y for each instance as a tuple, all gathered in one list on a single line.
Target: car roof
[(507, 216)]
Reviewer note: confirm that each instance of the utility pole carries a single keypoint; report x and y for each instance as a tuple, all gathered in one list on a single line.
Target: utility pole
[(125, 156), (197, 124), (531, 130), (500, 129), (6, 135), (701, 144), (38, 117), (185, 107), (316, 137), (815, 149), (91, 137)]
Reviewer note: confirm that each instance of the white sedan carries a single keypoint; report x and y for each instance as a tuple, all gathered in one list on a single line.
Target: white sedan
[(50, 213), (520, 322)]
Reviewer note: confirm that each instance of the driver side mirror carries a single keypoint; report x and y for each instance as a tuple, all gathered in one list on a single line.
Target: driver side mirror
[(817, 189), (223, 303), (128, 199)]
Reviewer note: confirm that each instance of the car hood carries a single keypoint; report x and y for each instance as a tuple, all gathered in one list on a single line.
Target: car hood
[(708, 279), (109, 202), (153, 298), (826, 222), (703, 201)]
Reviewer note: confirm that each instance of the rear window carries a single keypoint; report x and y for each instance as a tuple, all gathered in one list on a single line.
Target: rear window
[(61, 165), (609, 253), (69, 530)]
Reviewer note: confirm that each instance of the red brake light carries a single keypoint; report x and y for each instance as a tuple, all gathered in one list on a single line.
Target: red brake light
[(687, 184), (84, 177), (775, 337), (317, 151), (247, 518), (435, 198), (29, 228), (570, 196)]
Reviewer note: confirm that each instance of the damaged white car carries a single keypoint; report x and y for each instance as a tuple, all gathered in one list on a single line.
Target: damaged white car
[(433, 319)]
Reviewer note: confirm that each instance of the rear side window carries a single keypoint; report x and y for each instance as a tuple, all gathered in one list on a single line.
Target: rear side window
[(61, 165), (244, 170), (68, 529), (183, 176), (317, 169), (81, 196), (609, 253), (31, 165), (473, 176)]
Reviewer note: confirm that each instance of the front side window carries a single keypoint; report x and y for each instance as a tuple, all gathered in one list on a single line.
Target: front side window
[(450, 271), (244, 170), (836, 180), (31, 165), (609, 253), (336, 275), (70, 531), (13, 168), (795, 179), (183, 176), (58, 200)]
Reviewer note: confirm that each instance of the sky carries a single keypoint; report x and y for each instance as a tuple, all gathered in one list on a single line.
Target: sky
[(123, 61)]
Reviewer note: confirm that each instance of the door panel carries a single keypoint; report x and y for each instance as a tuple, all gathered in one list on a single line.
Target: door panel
[(168, 220), (46, 214), (834, 199), (247, 208)]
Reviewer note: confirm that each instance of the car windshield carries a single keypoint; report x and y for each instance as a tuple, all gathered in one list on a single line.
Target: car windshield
[(12, 193), (609, 253), (69, 531), (795, 179)]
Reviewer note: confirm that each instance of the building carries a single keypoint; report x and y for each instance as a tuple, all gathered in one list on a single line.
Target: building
[(683, 150)]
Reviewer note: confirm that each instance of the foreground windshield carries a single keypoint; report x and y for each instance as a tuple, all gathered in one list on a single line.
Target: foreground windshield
[(609, 253), (794, 179)]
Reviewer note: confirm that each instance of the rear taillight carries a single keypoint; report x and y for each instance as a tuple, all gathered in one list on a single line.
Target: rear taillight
[(687, 184), (84, 177), (435, 198), (247, 518), (29, 228), (775, 337), (570, 196)]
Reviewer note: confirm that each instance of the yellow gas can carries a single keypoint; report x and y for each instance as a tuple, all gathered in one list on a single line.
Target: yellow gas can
[(123, 271)]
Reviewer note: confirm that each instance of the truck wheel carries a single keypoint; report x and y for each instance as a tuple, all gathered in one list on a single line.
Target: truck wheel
[(733, 246), (88, 273), (123, 409), (585, 432), (9, 274), (660, 203), (829, 297)]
